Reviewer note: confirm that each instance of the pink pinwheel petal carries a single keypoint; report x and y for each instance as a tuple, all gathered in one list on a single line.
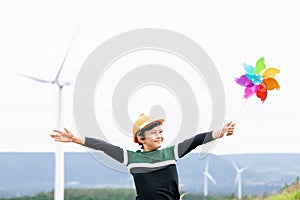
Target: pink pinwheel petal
[(249, 91)]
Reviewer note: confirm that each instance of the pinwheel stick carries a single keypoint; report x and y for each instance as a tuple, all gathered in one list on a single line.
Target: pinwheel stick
[(240, 111)]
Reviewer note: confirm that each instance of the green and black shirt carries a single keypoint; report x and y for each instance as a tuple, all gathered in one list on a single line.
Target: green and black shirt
[(154, 172)]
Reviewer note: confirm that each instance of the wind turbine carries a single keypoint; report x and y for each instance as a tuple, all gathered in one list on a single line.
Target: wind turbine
[(59, 154), (207, 176), (238, 178)]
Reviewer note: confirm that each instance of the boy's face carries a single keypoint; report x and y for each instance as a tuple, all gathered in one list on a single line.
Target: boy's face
[(153, 139)]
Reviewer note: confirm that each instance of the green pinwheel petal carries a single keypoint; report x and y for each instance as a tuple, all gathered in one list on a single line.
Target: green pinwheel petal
[(260, 66)]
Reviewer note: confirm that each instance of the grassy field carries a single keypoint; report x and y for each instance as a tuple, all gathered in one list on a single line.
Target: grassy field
[(291, 192), (288, 192)]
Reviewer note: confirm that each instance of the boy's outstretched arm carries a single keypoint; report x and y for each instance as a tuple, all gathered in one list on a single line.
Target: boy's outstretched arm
[(113, 151), (189, 144)]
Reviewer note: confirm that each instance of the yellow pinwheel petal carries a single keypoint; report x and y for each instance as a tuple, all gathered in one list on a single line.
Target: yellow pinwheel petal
[(270, 72)]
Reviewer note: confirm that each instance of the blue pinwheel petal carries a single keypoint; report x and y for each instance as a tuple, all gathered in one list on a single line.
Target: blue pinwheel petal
[(248, 68)]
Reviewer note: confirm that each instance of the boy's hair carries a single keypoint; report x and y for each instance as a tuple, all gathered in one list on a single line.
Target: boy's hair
[(141, 133)]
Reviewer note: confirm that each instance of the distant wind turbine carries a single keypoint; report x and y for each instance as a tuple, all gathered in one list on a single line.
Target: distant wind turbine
[(238, 178), (59, 154), (207, 176)]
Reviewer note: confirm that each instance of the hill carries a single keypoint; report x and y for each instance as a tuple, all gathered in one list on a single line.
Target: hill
[(291, 192), (30, 173)]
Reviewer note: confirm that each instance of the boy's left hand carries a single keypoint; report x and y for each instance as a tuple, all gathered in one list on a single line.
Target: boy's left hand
[(227, 130)]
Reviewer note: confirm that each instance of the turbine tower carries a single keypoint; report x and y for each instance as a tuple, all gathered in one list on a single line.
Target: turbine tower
[(59, 154), (207, 176), (238, 179)]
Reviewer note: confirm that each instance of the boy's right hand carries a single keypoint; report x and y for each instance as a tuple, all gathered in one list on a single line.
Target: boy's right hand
[(62, 136)]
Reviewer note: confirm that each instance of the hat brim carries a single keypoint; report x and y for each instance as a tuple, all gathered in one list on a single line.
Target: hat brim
[(161, 121)]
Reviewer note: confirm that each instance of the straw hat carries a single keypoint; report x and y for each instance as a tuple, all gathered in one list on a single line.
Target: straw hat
[(142, 122)]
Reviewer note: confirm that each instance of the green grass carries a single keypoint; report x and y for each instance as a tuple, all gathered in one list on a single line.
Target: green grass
[(288, 192), (284, 196)]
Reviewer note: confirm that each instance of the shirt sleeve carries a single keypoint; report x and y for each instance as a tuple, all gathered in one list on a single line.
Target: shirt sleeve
[(113, 151), (189, 144)]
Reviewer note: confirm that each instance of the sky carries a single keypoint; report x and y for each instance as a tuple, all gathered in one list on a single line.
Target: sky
[(36, 34)]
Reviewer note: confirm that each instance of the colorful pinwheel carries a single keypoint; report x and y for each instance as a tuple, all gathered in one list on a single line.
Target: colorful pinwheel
[(258, 80)]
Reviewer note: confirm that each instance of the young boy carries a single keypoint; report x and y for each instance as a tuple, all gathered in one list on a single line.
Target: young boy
[(153, 169)]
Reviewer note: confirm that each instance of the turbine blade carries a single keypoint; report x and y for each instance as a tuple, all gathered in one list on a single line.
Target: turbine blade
[(66, 84), (236, 180), (206, 165), (243, 169), (36, 79), (235, 166), (209, 176), (181, 196), (72, 41)]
